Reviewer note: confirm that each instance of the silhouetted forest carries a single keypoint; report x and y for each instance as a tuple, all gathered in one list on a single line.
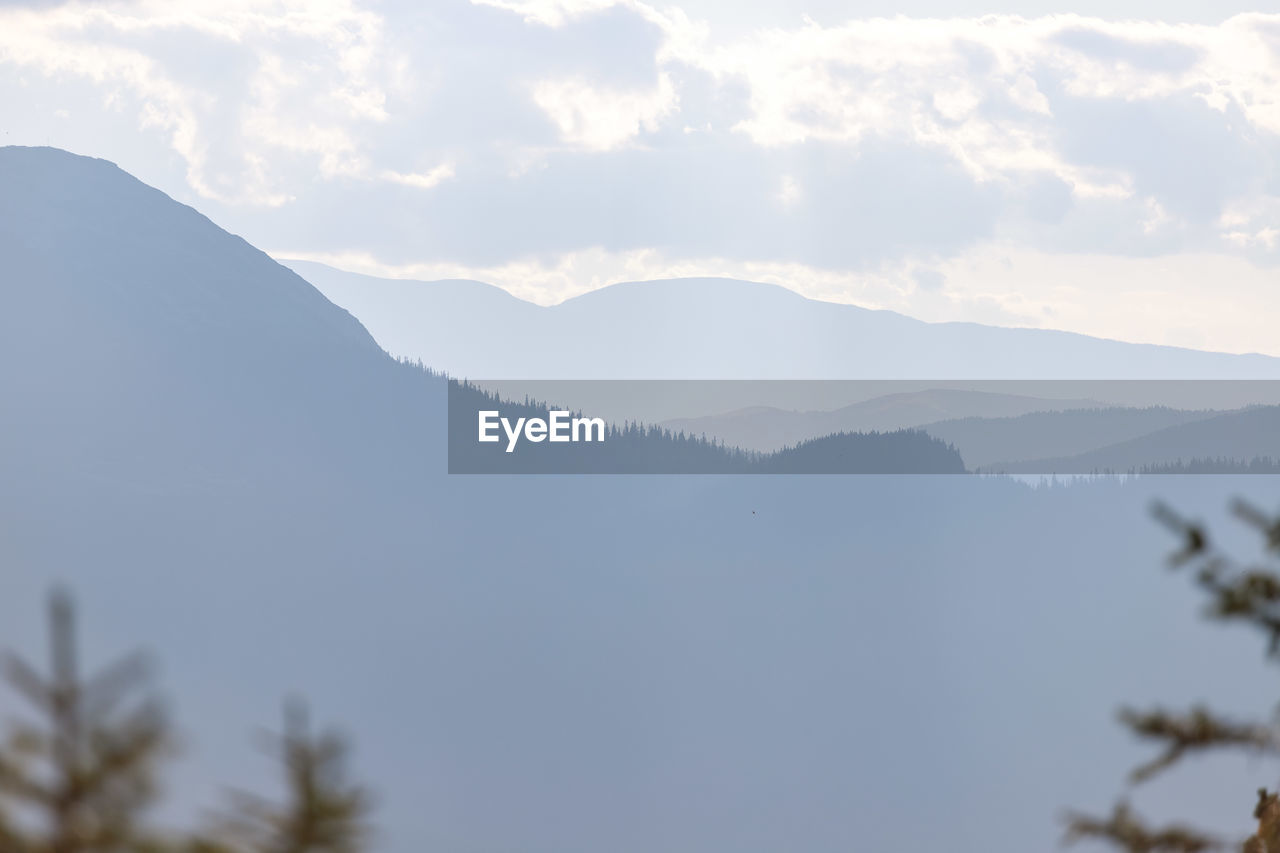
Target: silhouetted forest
[(1218, 465), (904, 451)]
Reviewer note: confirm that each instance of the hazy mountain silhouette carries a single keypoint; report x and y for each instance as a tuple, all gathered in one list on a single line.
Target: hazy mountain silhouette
[(898, 452), (766, 428), (985, 441), (725, 329), (142, 344), (225, 469), (1239, 436)]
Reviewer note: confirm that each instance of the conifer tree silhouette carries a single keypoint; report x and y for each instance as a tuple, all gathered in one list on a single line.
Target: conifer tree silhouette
[(82, 774), (1247, 594), (77, 779), (323, 813)]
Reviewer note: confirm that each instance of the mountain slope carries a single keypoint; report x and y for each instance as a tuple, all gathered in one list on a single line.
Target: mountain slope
[(140, 340), (726, 329)]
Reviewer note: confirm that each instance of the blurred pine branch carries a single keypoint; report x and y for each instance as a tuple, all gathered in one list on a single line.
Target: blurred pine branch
[(1247, 594)]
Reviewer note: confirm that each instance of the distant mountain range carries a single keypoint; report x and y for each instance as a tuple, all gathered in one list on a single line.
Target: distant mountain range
[(1238, 436), (726, 329), (1018, 434), (1001, 442), (767, 428)]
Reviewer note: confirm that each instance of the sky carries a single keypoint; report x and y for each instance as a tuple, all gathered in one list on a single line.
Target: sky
[(1110, 168)]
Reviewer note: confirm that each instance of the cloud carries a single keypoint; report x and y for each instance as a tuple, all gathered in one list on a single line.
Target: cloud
[(552, 13), (1189, 157), (927, 279), (221, 81), (421, 180), (600, 119), (1158, 55), (339, 85), (500, 134)]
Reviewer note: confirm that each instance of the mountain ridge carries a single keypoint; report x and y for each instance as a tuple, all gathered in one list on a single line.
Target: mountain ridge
[(626, 284), (187, 349), (764, 428), (716, 328), (1238, 436)]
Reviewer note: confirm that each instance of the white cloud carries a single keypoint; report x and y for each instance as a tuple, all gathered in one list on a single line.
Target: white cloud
[(278, 105), (420, 180), (600, 119), (970, 85), (1268, 237), (553, 146), (551, 13)]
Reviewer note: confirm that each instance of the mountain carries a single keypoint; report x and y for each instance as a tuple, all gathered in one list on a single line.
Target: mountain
[(140, 344), (898, 452), (1240, 436), (986, 441), (767, 428), (226, 470), (708, 328)]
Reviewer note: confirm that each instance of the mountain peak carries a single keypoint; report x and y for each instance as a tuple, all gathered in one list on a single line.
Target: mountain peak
[(134, 326), (80, 233)]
